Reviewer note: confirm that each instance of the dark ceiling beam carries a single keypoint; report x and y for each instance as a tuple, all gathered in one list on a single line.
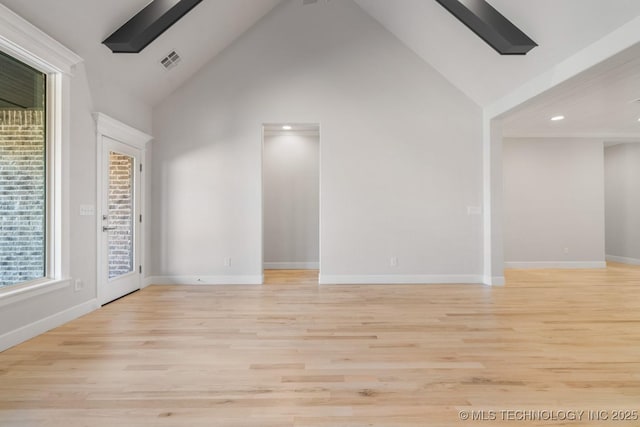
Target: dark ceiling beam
[(490, 25), (148, 25)]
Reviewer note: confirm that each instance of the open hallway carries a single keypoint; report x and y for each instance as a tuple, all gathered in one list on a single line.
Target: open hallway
[(303, 355)]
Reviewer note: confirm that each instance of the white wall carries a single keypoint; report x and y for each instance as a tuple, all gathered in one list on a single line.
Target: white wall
[(28, 315), (116, 102), (622, 202), (291, 192), (80, 231), (401, 154), (554, 200)]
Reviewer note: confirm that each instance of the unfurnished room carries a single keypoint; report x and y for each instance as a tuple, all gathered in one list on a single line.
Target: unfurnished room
[(319, 213)]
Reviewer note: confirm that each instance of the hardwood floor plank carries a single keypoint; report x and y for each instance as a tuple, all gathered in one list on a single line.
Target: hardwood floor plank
[(292, 353)]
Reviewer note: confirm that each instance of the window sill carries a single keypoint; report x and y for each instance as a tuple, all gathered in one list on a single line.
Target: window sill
[(14, 294)]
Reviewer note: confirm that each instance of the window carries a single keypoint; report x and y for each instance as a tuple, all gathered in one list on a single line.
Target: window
[(23, 173)]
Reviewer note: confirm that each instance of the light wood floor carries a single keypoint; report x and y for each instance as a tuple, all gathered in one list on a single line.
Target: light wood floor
[(291, 277), (303, 355)]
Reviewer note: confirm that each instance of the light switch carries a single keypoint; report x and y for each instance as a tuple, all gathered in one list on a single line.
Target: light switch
[(87, 210)]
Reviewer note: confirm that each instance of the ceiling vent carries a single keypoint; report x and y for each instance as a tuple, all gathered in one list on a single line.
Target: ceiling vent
[(170, 61)]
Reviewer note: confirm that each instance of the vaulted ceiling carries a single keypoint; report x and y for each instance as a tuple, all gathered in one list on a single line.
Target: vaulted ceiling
[(602, 102), (560, 27), (198, 37)]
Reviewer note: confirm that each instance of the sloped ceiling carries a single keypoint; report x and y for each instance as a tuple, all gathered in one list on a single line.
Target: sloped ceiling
[(602, 102), (560, 27), (199, 36)]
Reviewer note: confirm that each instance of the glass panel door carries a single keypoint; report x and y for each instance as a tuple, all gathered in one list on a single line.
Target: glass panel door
[(120, 225), (120, 217)]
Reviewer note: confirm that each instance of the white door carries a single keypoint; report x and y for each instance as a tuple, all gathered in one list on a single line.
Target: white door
[(120, 220)]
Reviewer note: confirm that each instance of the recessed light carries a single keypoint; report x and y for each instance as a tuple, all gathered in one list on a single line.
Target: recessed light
[(557, 118), (286, 127)]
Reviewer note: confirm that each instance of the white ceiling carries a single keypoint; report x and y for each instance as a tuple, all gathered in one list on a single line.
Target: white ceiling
[(295, 127), (560, 27), (309, 129), (597, 103), (199, 36)]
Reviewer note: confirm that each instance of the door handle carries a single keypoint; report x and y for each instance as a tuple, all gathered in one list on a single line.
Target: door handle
[(109, 228)]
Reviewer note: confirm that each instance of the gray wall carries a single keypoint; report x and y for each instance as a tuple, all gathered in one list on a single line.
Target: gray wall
[(554, 201), (401, 153), (622, 191), (291, 182)]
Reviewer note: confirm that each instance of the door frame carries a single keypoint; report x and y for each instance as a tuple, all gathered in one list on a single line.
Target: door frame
[(263, 132), (111, 128)]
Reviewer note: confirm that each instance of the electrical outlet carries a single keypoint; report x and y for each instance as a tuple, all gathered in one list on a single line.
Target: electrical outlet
[(78, 285), (393, 262), (227, 262), (566, 250)]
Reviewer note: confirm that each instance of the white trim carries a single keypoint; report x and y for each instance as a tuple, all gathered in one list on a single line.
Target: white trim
[(204, 280), (310, 265), (623, 260), (22, 40), (555, 265), (119, 131), (264, 132), (109, 127), (41, 326), (622, 136), (107, 290), (389, 279), (13, 294), (494, 281), (493, 249)]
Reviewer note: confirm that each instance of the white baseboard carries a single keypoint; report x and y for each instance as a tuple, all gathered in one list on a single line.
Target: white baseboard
[(204, 280), (34, 329), (291, 265), (146, 281), (555, 265), (385, 279), (623, 260), (494, 281)]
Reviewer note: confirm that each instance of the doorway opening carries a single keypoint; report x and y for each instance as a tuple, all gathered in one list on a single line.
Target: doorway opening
[(291, 203), (622, 202)]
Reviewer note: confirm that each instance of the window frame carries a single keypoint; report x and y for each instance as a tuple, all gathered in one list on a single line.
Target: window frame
[(26, 43), (48, 274)]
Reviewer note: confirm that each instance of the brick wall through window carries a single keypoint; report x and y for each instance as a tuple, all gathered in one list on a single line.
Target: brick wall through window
[(121, 212), (22, 196)]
